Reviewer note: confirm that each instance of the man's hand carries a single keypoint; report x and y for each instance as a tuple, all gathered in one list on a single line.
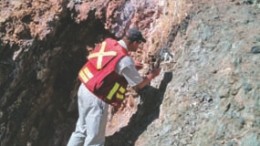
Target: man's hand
[(154, 73)]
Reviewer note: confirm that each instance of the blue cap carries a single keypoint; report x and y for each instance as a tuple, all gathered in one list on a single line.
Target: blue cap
[(134, 34)]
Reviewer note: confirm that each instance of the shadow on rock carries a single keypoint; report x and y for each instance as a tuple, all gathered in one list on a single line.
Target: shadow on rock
[(148, 110)]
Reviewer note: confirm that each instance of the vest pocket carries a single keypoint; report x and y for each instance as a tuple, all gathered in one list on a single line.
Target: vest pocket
[(117, 92)]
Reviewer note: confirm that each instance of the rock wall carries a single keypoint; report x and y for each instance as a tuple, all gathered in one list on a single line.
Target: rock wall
[(207, 94), (42, 49), (213, 97)]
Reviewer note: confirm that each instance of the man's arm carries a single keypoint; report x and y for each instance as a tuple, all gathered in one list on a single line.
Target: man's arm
[(147, 79), (126, 67), (135, 80)]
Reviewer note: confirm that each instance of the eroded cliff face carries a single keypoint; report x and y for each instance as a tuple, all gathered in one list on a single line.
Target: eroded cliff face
[(213, 97), (208, 92)]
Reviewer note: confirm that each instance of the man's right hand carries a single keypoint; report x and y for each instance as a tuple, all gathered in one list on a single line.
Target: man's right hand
[(154, 73)]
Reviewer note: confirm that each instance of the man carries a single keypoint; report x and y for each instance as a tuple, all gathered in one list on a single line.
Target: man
[(104, 79)]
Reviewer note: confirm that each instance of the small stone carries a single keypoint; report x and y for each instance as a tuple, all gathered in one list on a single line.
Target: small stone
[(247, 87), (255, 49), (232, 143), (1, 114), (224, 92), (77, 1)]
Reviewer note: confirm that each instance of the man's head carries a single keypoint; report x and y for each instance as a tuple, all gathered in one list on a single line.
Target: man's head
[(134, 38)]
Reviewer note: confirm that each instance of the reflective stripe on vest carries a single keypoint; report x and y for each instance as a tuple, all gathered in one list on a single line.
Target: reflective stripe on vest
[(85, 74), (119, 91), (99, 55)]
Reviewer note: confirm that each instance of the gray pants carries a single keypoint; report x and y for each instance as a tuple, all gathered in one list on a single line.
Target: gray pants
[(91, 124)]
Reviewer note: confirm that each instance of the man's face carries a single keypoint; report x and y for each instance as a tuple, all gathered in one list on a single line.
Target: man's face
[(134, 46)]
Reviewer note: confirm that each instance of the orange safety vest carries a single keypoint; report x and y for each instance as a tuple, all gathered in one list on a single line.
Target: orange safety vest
[(99, 76)]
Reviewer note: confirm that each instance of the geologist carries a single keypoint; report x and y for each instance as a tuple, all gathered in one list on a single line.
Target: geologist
[(104, 79)]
